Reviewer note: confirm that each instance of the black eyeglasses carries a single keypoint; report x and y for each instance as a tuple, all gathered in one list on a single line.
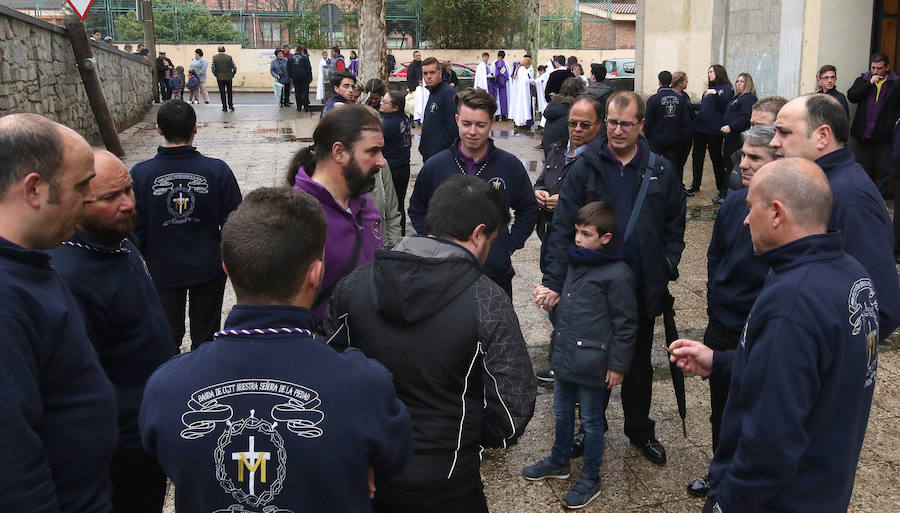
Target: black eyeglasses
[(585, 125), (626, 126)]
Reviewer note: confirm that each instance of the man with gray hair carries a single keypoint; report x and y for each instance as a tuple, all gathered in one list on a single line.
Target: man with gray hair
[(735, 277), (816, 127), (59, 427), (803, 375)]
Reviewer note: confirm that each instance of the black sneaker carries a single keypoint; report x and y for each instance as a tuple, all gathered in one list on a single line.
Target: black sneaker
[(699, 487), (546, 376), (652, 450), (546, 469), (582, 493), (689, 192)]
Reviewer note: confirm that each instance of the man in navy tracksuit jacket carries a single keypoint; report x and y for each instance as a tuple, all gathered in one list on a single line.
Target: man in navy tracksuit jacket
[(125, 322), (183, 199), (666, 120), (59, 408), (439, 122), (858, 210), (803, 376), (501, 169), (267, 417)]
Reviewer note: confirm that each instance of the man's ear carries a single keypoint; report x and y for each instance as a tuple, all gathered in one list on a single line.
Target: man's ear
[(31, 189), (605, 238), (340, 153), (314, 274), (478, 233), (779, 213), (224, 268), (824, 135)]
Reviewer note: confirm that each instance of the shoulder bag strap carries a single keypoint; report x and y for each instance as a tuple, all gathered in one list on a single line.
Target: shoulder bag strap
[(639, 200)]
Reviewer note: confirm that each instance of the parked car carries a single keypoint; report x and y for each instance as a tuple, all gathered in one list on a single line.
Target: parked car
[(620, 73), (465, 73)]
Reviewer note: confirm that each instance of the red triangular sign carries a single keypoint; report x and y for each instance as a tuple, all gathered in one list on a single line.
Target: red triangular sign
[(81, 7)]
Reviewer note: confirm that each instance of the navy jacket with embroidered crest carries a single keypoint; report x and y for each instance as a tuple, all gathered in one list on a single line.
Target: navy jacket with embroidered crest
[(59, 408), (182, 200), (654, 249), (439, 128), (668, 118), (501, 169), (859, 212), (124, 319), (801, 384), (278, 420), (735, 275), (452, 340)]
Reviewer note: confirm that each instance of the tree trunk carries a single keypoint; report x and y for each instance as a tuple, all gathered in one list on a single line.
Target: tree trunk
[(372, 41), (532, 29)]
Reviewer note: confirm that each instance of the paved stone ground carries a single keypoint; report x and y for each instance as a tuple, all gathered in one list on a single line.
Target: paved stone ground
[(257, 141)]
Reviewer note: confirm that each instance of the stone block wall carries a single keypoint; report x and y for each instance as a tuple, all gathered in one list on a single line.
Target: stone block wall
[(38, 74)]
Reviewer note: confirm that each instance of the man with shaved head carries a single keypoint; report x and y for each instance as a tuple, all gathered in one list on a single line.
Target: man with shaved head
[(815, 127), (59, 421), (803, 375), (125, 321)]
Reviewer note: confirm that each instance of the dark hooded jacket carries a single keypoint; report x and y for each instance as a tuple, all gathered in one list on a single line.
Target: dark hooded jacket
[(451, 339)]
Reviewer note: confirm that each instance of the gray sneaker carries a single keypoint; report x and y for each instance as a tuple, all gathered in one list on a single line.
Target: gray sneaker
[(582, 493), (545, 469)]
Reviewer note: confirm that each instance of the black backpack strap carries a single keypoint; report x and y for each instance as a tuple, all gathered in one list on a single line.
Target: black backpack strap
[(639, 200)]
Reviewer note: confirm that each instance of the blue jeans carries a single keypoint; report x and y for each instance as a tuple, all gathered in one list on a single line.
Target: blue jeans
[(593, 412)]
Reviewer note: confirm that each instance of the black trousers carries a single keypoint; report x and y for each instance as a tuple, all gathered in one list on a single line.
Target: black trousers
[(138, 483), (713, 143), (505, 284), (165, 92), (204, 309), (400, 177), (671, 151), (285, 94), (684, 150), (637, 387), (472, 501), (877, 159), (719, 338), (225, 93), (301, 94)]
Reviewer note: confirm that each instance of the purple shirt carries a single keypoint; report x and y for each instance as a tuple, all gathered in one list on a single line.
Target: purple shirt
[(471, 164), (342, 231), (500, 77)]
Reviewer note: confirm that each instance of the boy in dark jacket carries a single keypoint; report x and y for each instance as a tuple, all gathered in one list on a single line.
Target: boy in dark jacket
[(595, 331)]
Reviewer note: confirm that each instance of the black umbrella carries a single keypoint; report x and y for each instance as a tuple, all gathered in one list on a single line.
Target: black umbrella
[(677, 374)]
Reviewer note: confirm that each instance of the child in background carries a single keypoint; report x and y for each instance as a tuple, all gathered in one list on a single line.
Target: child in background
[(176, 83), (193, 86), (593, 339)]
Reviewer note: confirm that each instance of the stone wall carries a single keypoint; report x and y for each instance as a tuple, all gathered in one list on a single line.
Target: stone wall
[(38, 74)]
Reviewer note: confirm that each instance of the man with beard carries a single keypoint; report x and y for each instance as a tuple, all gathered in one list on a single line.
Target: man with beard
[(125, 322), (338, 169), (182, 200)]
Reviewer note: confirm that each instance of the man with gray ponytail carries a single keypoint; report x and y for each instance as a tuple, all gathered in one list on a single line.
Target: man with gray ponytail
[(735, 277), (338, 169)]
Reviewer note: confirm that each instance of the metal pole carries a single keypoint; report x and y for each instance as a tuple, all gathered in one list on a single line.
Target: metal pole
[(87, 67)]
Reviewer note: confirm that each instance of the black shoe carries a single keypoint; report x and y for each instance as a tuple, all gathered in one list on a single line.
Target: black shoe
[(224, 109), (546, 376), (578, 444), (652, 450), (690, 191), (699, 487), (718, 200), (231, 108)]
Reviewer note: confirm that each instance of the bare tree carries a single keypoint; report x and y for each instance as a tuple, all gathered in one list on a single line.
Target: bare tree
[(372, 40), (532, 27)]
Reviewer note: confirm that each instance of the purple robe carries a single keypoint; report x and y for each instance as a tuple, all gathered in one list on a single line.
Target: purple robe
[(499, 86), (353, 68)]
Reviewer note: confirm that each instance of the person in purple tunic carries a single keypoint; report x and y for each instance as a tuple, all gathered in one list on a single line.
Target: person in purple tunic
[(498, 83), (353, 67)]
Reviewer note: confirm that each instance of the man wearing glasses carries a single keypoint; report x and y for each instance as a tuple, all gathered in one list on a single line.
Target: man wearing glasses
[(636, 182)]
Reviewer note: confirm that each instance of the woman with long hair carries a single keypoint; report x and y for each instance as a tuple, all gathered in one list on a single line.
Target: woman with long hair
[(735, 120), (708, 127)]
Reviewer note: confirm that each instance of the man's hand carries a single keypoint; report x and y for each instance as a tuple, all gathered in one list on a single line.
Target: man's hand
[(725, 129), (875, 78), (613, 379), (545, 298), (541, 196), (551, 202), (691, 356), (371, 483)]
